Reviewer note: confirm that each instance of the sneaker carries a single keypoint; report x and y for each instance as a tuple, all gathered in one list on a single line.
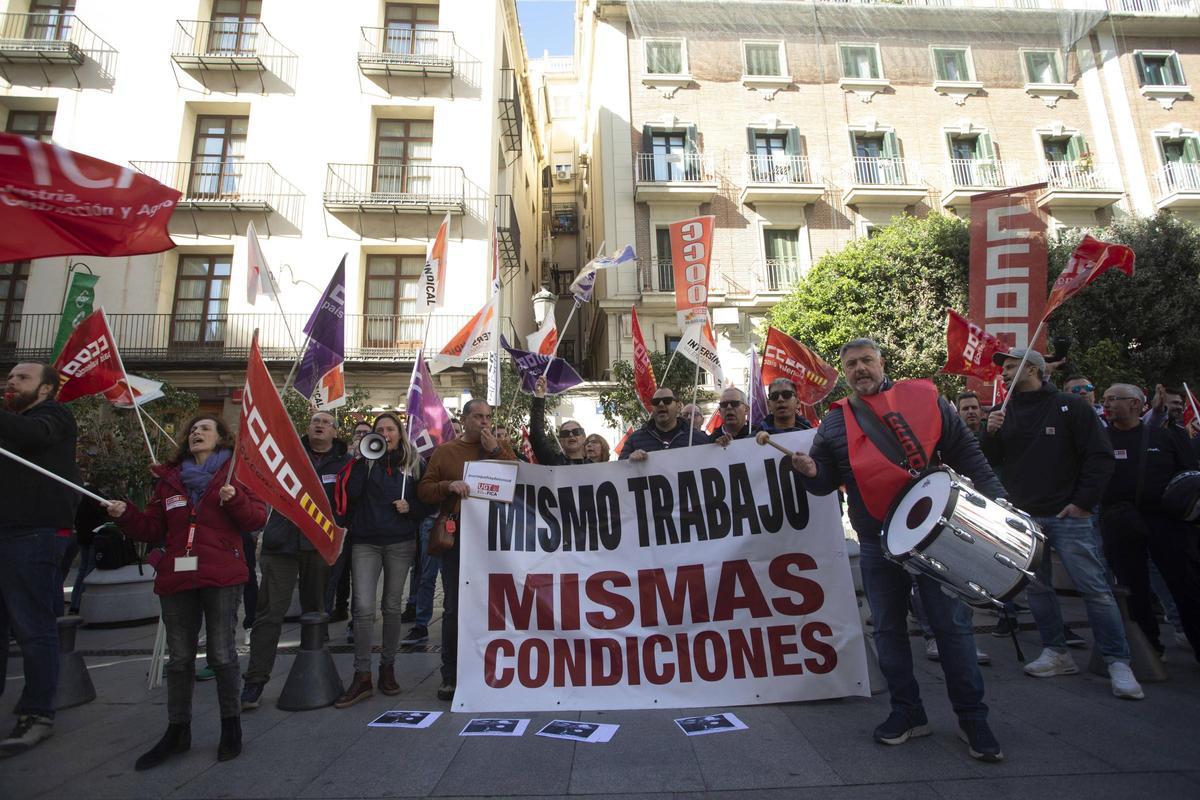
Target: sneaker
[(981, 743), (1073, 638), (409, 614), (1051, 663), (446, 691), (250, 695), (931, 651), (29, 730), (1124, 685), (898, 728), (416, 635), (982, 658), (1006, 626), (205, 674)]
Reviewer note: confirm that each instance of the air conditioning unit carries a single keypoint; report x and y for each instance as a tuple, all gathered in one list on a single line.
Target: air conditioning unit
[(563, 172)]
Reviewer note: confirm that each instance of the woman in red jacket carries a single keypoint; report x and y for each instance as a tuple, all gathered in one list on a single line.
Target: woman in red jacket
[(199, 519)]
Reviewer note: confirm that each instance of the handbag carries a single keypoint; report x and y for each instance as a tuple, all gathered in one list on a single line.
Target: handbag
[(443, 534)]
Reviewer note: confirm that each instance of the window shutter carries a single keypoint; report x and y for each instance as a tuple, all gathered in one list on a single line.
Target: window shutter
[(1076, 147), (691, 140), (647, 139), (751, 142), (1191, 150), (891, 147), (984, 151), (792, 145)]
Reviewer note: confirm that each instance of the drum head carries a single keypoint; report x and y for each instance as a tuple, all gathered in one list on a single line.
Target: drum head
[(918, 512)]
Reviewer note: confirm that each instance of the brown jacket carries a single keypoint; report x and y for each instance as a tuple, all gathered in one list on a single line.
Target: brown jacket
[(446, 466)]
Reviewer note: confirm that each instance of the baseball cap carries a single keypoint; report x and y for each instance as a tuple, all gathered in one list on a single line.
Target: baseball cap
[(1035, 358)]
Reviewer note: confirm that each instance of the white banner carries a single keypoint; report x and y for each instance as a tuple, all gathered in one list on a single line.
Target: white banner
[(700, 577)]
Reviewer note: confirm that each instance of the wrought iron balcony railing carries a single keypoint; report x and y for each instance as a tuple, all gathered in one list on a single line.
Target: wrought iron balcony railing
[(777, 168), (882, 171), (226, 184), (980, 172), (226, 44), (48, 38), (1082, 175), (656, 275), (511, 115), (508, 233), (675, 168), (781, 274), (1178, 176), (395, 186), (402, 51)]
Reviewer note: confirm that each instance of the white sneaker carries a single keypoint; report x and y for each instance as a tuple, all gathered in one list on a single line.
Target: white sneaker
[(1124, 685), (931, 651), (982, 657), (1051, 663)]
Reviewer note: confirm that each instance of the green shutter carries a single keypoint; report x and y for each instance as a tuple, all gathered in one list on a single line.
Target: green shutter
[(984, 151), (792, 145), (691, 140), (1191, 150), (647, 139), (891, 147), (1076, 147), (751, 142)]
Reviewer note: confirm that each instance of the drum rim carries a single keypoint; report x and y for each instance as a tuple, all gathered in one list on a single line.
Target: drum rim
[(896, 504)]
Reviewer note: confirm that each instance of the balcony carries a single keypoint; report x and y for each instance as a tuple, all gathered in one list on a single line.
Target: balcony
[(510, 111), (781, 274), (675, 177), (508, 235), (48, 41), (779, 178), (1163, 7), (406, 52), (210, 48), (163, 342), (395, 187), (884, 181), (1080, 184), (967, 177), (1178, 186), (564, 218), (656, 275), (229, 187)]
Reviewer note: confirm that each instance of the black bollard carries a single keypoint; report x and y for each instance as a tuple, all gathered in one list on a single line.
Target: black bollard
[(1144, 661), (74, 684), (313, 681)]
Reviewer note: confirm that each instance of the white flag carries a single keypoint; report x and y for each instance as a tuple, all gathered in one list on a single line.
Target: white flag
[(258, 274), (433, 275), (544, 340), (477, 336), (699, 344)]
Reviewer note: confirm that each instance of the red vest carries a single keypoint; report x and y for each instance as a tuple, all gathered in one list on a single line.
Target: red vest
[(910, 408)]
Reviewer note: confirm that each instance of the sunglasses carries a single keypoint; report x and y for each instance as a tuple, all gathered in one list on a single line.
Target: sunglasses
[(662, 401), (1087, 387), (781, 395), (570, 433), (730, 404)]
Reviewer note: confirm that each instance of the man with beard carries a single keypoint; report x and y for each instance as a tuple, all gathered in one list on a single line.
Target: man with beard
[(36, 427), (665, 430)]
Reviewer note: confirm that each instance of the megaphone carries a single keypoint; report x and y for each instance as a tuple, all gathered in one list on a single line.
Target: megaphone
[(372, 447)]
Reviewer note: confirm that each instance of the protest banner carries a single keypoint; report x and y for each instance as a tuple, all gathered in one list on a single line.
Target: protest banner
[(699, 577)]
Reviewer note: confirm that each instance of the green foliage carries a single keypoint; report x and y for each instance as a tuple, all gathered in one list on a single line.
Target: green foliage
[(894, 287), (1139, 330), (621, 406), (356, 408)]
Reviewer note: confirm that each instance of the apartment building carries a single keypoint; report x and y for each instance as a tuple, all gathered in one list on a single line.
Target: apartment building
[(338, 131), (805, 125)]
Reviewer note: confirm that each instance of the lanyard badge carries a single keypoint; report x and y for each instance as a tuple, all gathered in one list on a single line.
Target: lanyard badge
[(188, 562)]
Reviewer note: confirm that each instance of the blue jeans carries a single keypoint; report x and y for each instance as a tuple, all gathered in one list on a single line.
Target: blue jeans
[(29, 581), (430, 567), (888, 585), (1074, 539)]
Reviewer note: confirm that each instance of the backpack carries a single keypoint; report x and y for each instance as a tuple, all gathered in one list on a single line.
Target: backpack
[(112, 550)]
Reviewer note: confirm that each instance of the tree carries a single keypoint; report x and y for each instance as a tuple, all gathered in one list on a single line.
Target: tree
[(1139, 329), (894, 287), (300, 408), (621, 405)]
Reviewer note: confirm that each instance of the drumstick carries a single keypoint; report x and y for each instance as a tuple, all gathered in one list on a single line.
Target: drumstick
[(765, 438)]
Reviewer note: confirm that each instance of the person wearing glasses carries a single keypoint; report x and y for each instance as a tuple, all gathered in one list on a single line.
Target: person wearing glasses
[(695, 417), (570, 434), (784, 406), (1132, 521), (596, 448), (665, 430), (733, 408), (1084, 389)]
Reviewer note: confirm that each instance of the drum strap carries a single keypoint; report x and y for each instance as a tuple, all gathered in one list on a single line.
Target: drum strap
[(879, 434)]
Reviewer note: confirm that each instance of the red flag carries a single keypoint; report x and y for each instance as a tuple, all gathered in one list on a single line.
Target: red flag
[(691, 252), (621, 444), (1091, 259), (272, 463), (784, 357), (89, 362), (1189, 406), (643, 370), (527, 446), (56, 202), (714, 422), (969, 349), (133, 389), (810, 414)]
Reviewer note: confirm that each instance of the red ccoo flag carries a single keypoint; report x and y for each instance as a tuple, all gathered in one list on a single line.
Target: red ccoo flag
[(56, 202), (89, 362), (272, 463), (784, 357), (969, 349), (643, 370), (1089, 261)]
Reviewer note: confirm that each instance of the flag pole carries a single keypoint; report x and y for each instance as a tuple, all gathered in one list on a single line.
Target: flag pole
[(695, 392), (233, 458), (558, 340), (121, 364), (102, 501), (1024, 359), (1192, 401)]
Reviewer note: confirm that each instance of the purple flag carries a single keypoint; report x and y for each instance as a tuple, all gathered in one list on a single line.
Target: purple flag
[(320, 376), (757, 396), (530, 367), (429, 424)]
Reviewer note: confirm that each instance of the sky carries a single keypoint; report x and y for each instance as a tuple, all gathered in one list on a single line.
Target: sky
[(547, 25)]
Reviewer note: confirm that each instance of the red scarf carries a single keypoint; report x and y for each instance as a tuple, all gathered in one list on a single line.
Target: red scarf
[(910, 408)]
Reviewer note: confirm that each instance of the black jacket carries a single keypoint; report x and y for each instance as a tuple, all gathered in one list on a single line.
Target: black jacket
[(370, 489), (957, 448), (44, 435), (542, 450), (1052, 450), (1167, 452), (280, 535), (745, 433), (651, 439), (768, 425)]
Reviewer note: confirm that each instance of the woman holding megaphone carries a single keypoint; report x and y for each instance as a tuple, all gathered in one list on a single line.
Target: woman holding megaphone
[(378, 496)]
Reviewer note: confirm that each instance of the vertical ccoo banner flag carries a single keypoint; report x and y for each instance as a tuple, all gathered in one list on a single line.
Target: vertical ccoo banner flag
[(691, 256), (643, 369)]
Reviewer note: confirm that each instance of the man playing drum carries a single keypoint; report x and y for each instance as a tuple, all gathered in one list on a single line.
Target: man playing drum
[(929, 430)]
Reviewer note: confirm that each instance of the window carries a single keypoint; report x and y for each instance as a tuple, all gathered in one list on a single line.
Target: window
[(973, 160), (14, 277), (50, 20), (672, 343), (670, 155), (952, 64), (1042, 66), (198, 314), (782, 248), (217, 156), (1068, 161), (561, 280), (403, 150), (408, 29), (1181, 162), (665, 57), (562, 106), (860, 61), (776, 156), (763, 59), (390, 300), (1159, 69), (665, 272), (877, 158), (34, 124), (234, 28)]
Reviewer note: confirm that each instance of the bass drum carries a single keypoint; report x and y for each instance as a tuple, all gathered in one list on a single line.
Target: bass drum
[(985, 550)]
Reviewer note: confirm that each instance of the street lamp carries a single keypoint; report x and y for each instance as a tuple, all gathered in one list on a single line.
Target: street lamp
[(543, 305)]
